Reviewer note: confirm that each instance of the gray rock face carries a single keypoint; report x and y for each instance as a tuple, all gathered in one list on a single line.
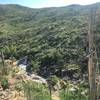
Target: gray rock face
[(23, 61)]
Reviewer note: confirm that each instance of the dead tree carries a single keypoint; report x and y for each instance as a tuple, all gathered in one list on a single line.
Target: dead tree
[(4, 71), (91, 58)]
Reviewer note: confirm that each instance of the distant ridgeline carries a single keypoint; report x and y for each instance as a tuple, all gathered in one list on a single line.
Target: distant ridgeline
[(53, 39)]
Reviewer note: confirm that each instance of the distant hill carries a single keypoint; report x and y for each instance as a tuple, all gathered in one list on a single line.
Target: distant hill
[(15, 17)]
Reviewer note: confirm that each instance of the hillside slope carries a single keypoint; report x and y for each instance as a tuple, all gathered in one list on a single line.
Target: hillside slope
[(53, 38)]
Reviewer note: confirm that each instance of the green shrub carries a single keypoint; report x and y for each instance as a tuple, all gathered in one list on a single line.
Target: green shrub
[(35, 91), (52, 80), (4, 84), (80, 92), (68, 95), (18, 85)]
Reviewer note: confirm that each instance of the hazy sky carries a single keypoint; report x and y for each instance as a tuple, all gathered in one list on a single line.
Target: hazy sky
[(47, 3)]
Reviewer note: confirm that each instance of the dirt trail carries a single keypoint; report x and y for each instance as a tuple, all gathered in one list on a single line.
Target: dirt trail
[(55, 95)]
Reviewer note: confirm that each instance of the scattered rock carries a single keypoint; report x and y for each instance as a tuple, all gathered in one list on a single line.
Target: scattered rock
[(2, 97)]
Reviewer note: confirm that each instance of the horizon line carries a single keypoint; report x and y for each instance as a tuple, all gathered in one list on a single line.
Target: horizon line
[(48, 7)]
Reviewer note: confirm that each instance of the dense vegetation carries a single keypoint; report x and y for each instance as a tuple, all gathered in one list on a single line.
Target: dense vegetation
[(54, 39)]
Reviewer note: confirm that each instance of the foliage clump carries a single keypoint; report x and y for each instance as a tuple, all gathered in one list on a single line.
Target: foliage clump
[(4, 84), (35, 91), (52, 80)]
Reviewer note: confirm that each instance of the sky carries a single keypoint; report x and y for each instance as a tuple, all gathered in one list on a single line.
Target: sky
[(48, 3)]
